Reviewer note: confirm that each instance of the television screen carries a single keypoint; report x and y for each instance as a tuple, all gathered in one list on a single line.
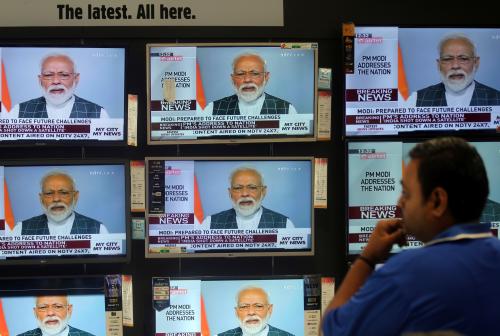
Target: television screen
[(52, 305), (375, 171), (229, 206), (231, 92), (56, 212), (422, 80), (287, 304), (62, 95)]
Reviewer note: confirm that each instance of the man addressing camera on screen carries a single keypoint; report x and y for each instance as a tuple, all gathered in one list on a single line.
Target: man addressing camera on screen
[(253, 311), (52, 313), (58, 81), (249, 78), (247, 191), (58, 197), (457, 64)]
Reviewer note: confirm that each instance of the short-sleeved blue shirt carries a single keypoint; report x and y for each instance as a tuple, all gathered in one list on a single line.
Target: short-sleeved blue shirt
[(453, 283)]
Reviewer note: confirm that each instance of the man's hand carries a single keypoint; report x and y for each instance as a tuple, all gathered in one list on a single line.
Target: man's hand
[(387, 233)]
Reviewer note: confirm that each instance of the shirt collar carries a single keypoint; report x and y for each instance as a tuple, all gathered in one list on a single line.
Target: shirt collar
[(462, 231)]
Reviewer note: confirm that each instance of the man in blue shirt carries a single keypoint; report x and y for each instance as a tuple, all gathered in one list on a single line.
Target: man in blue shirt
[(450, 284)]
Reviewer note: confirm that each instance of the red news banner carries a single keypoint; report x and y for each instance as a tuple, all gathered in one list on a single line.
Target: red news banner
[(60, 129), (46, 245)]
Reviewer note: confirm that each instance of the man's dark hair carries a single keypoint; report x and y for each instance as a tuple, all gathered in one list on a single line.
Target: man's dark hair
[(454, 165)]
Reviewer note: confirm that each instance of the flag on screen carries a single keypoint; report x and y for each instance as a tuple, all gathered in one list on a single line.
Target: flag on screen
[(200, 93), (4, 331), (198, 208), (9, 214), (205, 328), (402, 83), (5, 90)]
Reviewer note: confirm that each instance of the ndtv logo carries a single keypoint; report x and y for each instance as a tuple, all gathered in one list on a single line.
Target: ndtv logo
[(172, 171), (175, 290)]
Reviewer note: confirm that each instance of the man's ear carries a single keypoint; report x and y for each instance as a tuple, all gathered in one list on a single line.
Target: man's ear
[(476, 62), (77, 78), (270, 309), (438, 200)]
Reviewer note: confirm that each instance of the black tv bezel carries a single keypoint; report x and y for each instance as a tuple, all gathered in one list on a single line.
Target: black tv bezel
[(239, 278), (79, 259), (233, 253), (227, 140), (408, 135), (78, 142), (352, 256)]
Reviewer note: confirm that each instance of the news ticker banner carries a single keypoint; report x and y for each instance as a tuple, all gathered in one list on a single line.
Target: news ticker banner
[(164, 239), (375, 172), (51, 13), (374, 105), (60, 129), (165, 127), (175, 113), (178, 310), (57, 245)]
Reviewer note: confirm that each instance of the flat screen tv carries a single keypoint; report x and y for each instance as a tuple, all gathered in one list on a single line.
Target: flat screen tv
[(50, 304), (196, 305), (231, 92), (374, 175), (229, 206), (423, 81), (62, 95), (56, 212)]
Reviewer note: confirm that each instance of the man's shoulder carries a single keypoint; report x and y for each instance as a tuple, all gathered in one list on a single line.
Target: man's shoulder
[(80, 100), (34, 332), (80, 217), (231, 332), (491, 211), (227, 99), (273, 331), (36, 219), (224, 213), (34, 101), (77, 332), (486, 88), (270, 97), (272, 212), (439, 87)]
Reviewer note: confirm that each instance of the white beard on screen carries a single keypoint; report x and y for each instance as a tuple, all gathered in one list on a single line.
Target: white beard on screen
[(455, 85), (53, 330), (57, 99), (249, 97), (246, 210), (255, 328), (58, 216)]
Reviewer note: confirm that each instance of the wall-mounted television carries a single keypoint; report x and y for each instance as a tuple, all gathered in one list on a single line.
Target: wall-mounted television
[(374, 175), (229, 206), (64, 212), (62, 95), (231, 92), (290, 305), (419, 81), (53, 304)]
